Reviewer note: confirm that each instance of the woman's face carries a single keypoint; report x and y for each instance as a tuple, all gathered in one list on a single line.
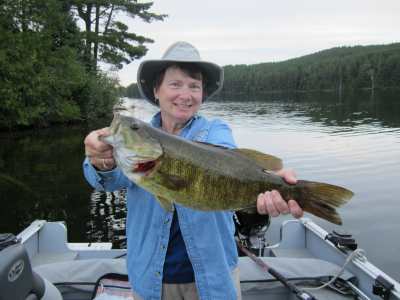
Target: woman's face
[(179, 95)]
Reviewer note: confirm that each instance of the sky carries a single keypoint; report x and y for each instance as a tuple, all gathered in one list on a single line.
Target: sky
[(230, 32)]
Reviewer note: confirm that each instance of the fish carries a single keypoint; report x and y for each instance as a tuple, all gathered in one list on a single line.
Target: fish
[(207, 177)]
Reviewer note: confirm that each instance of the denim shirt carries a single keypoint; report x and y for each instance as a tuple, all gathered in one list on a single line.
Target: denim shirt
[(208, 236)]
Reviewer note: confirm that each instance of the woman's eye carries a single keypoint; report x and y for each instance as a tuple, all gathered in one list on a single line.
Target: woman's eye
[(174, 84), (196, 87)]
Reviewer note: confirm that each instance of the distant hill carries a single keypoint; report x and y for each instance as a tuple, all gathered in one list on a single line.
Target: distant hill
[(336, 69), (340, 68)]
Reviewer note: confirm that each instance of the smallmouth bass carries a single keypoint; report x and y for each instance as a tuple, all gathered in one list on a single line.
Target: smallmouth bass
[(207, 177)]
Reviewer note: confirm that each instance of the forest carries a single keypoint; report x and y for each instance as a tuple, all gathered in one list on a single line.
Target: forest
[(340, 69), (50, 53)]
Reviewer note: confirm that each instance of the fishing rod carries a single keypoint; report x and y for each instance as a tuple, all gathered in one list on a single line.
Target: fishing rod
[(293, 288)]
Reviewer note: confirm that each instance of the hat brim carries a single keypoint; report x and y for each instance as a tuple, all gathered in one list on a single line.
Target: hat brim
[(149, 69)]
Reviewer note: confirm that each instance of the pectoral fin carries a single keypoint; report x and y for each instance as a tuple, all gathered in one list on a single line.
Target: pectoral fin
[(165, 203), (266, 161)]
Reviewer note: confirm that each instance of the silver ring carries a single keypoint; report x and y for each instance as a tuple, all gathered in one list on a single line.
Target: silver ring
[(104, 164)]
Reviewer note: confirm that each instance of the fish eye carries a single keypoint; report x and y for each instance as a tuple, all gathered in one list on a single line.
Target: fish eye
[(135, 126)]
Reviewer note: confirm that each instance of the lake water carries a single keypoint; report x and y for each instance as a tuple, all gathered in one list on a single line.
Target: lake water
[(352, 141)]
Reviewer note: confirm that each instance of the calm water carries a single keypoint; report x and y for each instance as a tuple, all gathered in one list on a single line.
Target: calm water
[(353, 141)]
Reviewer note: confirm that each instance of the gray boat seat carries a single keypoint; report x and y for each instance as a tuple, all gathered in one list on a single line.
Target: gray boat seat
[(50, 292), (17, 279)]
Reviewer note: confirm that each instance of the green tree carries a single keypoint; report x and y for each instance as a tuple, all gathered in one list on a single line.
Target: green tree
[(39, 70), (107, 39), (337, 69), (48, 66)]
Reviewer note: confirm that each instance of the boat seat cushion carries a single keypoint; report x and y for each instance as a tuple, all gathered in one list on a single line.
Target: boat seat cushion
[(87, 270)]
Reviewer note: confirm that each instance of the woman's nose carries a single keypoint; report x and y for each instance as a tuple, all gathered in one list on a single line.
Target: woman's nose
[(185, 92)]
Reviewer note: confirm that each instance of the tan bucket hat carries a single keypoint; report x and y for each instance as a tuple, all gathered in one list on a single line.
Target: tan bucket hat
[(178, 52)]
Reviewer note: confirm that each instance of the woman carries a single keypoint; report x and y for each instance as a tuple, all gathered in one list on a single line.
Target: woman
[(184, 254)]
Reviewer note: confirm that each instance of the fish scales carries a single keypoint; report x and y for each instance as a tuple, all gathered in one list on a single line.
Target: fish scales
[(215, 178)]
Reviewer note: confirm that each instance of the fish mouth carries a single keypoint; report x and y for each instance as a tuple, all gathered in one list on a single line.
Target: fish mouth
[(144, 167)]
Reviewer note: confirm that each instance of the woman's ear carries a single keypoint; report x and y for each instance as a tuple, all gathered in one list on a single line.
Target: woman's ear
[(155, 92)]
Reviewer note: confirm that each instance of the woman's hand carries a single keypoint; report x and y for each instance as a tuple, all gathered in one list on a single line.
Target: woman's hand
[(272, 203), (99, 153)]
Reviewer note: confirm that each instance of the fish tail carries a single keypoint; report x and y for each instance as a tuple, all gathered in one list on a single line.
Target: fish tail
[(321, 199)]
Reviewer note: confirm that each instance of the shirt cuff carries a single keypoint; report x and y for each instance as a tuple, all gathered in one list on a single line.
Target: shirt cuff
[(96, 177)]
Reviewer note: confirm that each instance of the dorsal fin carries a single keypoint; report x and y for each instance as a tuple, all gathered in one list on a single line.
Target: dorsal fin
[(266, 161)]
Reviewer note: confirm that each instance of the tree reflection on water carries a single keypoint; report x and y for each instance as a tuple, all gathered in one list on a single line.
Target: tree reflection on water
[(108, 215)]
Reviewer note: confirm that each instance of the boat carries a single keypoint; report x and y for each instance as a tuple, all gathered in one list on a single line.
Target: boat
[(40, 263)]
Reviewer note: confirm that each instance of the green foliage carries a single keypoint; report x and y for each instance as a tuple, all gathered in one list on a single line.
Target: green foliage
[(132, 91), (101, 95), (39, 73), (336, 69), (121, 90), (109, 40), (48, 70)]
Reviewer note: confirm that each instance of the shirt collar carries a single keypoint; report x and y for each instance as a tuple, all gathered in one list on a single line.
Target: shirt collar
[(156, 121)]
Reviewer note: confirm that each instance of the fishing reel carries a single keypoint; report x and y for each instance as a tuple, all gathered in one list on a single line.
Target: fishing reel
[(250, 231)]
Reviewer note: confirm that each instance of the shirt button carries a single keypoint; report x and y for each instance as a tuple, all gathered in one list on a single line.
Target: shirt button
[(158, 274), (163, 247), (166, 221)]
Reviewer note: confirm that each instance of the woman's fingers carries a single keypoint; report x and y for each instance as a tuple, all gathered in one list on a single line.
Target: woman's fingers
[(99, 153), (295, 209), (273, 204), (94, 147), (272, 210), (261, 205), (279, 203)]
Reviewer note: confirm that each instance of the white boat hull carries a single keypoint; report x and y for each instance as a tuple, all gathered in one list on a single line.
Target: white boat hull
[(303, 252)]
